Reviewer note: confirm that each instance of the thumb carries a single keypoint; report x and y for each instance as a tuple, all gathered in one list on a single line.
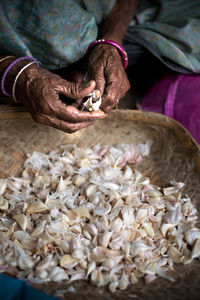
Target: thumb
[(76, 90)]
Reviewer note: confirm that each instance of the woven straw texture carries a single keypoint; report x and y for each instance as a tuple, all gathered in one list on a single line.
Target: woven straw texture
[(174, 155)]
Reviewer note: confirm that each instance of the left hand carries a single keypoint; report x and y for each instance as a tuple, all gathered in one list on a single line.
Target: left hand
[(105, 68)]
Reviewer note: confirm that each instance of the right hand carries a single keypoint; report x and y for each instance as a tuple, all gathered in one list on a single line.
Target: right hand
[(39, 91)]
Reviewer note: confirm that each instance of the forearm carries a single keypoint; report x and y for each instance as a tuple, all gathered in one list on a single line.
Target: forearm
[(116, 24)]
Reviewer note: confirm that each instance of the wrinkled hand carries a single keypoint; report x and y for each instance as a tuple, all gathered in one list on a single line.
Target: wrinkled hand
[(40, 94), (105, 68)]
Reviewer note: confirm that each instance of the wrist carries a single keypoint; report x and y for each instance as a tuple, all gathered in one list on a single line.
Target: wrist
[(25, 77), (115, 46), (10, 78), (12, 69)]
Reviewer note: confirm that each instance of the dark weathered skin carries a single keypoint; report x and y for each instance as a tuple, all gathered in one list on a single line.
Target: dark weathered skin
[(105, 63), (105, 67), (39, 89)]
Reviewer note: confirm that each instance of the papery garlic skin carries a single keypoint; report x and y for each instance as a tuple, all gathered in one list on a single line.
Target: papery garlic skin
[(90, 214), (91, 105)]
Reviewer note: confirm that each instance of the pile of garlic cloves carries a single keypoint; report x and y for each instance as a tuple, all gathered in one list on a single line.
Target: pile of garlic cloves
[(89, 214)]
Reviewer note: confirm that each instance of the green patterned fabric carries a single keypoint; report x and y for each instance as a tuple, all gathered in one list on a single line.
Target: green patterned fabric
[(172, 28), (58, 32)]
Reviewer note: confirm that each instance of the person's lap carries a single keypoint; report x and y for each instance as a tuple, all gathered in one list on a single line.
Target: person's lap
[(163, 90)]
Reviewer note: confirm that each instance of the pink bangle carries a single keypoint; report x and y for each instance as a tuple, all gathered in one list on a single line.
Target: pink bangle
[(121, 49), (4, 91)]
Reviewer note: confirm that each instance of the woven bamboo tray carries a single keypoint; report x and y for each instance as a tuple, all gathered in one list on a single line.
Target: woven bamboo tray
[(174, 155)]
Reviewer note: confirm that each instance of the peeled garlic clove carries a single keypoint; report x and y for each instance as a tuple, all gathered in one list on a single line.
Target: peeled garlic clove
[(100, 211), (137, 175), (170, 190), (177, 185), (36, 207), (18, 243), (104, 238), (91, 228), (133, 278), (57, 274), (79, 180), (82, 212), (91, 267), (111, 186), (110, 263), (141, 215), (3, 186), (89, 104), (196, 250), (75, 228), (21, 221), (138, 248), (10, 230), (174, 216), (67, 261), (39, 229), (83, 163), (45, 263), (78, 253), (98, 254), (94, 276), (126, 247), (127, 172), (165, 228), (191, 235), (154, 193), (61, 185), (78, 276), (124, 281), (149, 229), (90, 190), (96, 105), (164, 272), (116, 225), (101, 281), (113, 286), (41, 274), (3, 203), (128, 215), (175, 254), (116, 243), (24, 262), (25, 239)]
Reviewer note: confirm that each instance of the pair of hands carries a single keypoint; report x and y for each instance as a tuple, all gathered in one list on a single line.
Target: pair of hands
[(43, 88)]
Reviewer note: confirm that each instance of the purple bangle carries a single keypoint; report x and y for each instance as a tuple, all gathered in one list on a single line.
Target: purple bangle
[(8, 69), (121, 49)]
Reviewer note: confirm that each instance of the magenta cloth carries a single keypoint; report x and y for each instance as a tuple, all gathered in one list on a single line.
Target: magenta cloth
[(177, 96)]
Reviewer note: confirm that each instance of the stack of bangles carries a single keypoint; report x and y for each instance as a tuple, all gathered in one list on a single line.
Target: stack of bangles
[(110, 42), (3, 89)]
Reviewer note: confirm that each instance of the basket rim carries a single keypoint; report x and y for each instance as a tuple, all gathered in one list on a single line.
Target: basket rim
[(19, 112)]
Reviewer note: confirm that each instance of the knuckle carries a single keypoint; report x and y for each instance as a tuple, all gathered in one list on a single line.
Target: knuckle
[(74, 88), (112, 97)]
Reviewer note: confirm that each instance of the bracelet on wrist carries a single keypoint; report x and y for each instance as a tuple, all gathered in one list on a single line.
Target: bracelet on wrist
[(3, 89), (6, 57), (17, 76), (110, 42)]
